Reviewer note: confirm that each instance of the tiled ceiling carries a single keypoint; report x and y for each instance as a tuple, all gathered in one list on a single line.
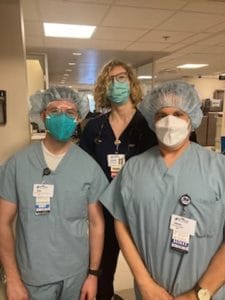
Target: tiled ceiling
[(168, 32)]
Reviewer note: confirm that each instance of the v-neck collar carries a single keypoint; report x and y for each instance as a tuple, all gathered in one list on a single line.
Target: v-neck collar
[(178, 163), (38, 159), (127, 127)]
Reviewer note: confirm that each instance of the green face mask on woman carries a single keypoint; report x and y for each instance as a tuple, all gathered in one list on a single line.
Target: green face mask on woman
[(61, 126), (118, 92)]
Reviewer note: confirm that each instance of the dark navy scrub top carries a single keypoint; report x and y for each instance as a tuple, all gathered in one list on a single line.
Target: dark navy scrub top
[(98, 139)]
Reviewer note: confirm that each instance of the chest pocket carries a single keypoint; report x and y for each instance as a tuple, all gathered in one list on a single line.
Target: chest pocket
[(209, 215), (74, 203)]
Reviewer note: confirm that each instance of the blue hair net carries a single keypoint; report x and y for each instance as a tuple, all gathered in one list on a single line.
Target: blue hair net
[(40, 100), (177, 94)]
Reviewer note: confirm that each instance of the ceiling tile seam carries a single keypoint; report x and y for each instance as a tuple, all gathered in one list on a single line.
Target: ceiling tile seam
[(204, 12), (106, 13), (218, 32), (185, 39), (153, 28), (168, 38), (182, 7), (123, 27), (193, 43), (112, 40), (173, 60), (145, 7)]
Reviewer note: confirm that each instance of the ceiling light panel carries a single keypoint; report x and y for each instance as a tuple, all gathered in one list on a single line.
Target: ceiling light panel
[(68, 30), (192, 66)]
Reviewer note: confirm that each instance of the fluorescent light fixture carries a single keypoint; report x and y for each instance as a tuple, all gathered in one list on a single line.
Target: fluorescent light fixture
[(192, 66), (77, 53), (145, 77), (68, 30), (71, 63)]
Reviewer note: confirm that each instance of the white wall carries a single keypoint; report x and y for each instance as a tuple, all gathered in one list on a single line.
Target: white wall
[(15, 134), (35, 76), (206, 86)]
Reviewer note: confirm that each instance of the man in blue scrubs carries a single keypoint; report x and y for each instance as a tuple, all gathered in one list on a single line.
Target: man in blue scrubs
[(53, 186), (169, 204)]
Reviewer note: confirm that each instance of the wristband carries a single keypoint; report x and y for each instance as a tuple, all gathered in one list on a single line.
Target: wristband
[(96, 273)]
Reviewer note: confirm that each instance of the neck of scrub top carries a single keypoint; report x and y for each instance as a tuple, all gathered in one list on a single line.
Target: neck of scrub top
[(122, 112), (170, 155), (56, 147), (120, 117)]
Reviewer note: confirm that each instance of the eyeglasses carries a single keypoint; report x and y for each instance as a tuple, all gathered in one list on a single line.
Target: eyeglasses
[(56, 111), (120, 77)]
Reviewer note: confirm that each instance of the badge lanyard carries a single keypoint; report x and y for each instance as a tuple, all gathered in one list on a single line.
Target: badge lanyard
[(115, 160), (182, 227), (180, 242)]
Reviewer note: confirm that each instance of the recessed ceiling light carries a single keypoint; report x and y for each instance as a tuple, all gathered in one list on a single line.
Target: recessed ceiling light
[(66, 75), (192, 66), (145, 77), (68, 30), (71, 63), (68, 70), (77, 53)]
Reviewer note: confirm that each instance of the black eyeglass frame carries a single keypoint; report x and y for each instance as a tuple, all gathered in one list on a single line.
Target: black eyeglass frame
[(120, 77)]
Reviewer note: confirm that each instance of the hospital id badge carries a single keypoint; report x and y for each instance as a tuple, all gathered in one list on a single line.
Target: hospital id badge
[(116, 160), (180, 241), (182, 223), (43, 190), (42, 205)]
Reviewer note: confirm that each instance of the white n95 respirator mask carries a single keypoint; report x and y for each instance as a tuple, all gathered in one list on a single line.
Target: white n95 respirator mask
[(172, 131)]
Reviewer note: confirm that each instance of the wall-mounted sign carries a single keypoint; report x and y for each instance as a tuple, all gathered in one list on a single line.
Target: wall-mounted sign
[(221, 77), (2, 107)]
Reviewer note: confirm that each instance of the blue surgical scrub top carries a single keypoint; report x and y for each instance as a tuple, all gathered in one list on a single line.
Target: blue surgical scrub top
[(54, 246), (146, 193)]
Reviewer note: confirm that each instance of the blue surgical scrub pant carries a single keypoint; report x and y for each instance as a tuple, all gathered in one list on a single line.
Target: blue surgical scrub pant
[(67, 289)]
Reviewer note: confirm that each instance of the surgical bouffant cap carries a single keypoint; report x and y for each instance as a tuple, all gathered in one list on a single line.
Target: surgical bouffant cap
[(177, 94), (40, 100)]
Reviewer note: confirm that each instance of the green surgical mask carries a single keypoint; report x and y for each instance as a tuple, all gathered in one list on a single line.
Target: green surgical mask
[(61, 126), (118, 92)]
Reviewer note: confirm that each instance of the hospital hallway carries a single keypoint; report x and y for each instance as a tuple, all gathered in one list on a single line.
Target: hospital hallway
[(123, 281)]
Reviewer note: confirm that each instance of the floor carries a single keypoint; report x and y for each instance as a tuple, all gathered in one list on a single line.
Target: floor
[(123, 281)]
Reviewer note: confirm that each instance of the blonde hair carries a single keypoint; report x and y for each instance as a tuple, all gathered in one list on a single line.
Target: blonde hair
[(103, 80)]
